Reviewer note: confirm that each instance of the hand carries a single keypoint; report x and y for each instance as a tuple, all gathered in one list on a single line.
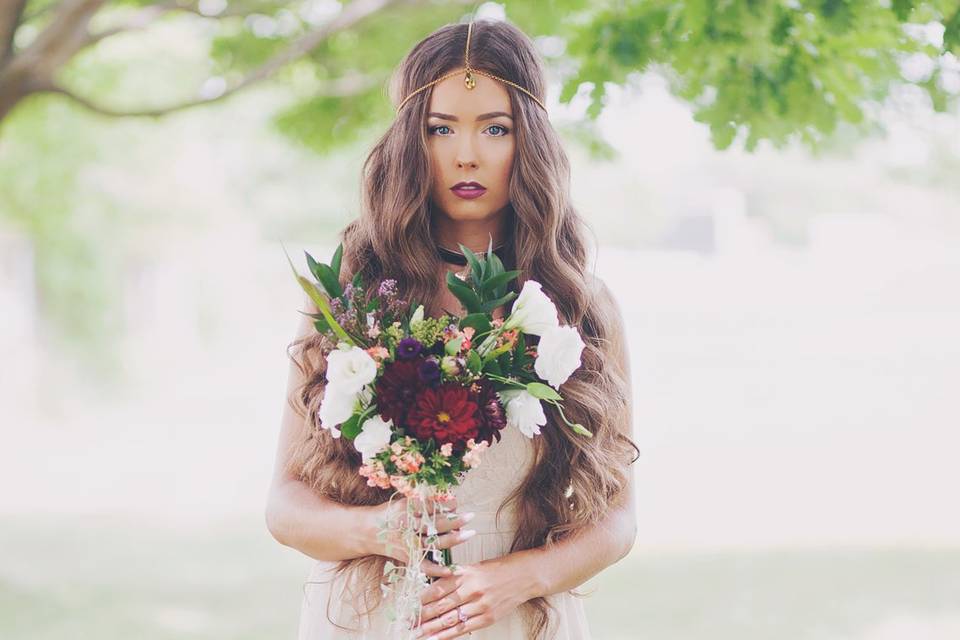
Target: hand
[(448, 529), (485, 592)]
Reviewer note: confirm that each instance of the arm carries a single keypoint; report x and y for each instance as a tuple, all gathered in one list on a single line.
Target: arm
[(569, 563), (300, 518), (295, 514)]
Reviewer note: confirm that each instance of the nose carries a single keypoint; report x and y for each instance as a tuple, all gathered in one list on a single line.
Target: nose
[(465, 154)]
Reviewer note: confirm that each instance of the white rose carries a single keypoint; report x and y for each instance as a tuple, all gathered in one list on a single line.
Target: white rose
[(524, 411), (373, 437), (558, 354), (533, 312), (350, 369), (336, 408)]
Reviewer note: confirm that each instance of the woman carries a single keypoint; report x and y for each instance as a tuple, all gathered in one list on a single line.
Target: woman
[(470, 159)]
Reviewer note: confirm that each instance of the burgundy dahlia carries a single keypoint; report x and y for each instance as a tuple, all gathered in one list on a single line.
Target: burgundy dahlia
[(397, 388), (447, 413), (430, 371), (493, 418)]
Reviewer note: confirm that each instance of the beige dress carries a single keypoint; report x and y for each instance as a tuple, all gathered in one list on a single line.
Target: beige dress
[(503, 467)]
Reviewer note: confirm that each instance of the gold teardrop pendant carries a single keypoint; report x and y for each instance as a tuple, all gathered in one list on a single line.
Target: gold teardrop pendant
[(469, 81)]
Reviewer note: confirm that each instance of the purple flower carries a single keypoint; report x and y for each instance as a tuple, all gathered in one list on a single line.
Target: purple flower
[(429, 371), (408, 348), (388, 287)]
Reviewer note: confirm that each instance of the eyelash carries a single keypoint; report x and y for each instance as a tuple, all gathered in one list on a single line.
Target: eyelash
[(432, 130)]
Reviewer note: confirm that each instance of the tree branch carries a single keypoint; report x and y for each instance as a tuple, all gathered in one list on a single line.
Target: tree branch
[(61, 39), (352, 14), (11, 13), (340, 88), (148, 14)]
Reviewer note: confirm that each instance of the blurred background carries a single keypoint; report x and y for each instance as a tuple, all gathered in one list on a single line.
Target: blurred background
[(774, 189)]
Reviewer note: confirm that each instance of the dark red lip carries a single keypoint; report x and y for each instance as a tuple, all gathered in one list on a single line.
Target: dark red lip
[(468, 190)]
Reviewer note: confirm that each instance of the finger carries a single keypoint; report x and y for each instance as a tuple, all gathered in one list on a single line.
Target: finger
[(439, 589), (449, 626), (436, 505), (453, 538), (440, 608), (451, 521), (435, 570)]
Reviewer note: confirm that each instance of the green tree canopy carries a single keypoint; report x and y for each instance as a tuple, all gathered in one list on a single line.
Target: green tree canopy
[(776, 70)]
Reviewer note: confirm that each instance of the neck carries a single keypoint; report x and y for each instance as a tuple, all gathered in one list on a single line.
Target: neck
[(473, 234)]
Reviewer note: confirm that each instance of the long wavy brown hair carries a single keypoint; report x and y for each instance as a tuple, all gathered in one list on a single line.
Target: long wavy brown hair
[(574, 481)]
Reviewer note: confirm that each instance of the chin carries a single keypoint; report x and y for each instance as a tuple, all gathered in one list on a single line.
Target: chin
[(463, 210)]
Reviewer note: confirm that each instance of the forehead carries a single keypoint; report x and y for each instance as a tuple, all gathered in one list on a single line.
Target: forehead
[(450, 95)]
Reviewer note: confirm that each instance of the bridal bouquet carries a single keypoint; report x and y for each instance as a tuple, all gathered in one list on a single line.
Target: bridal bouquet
[(422, 398)]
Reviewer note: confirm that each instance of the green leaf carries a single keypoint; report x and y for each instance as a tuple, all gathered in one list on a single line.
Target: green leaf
[(493, 282), (476, 266), (467, 296), (495, 266), (337, 259), (474, 364), (493, 354), (479, 321), (493, 367), (320, 301), (520, 358), (453, 346), (351, 428), (358, 279), (490, 305), (325, 276), (542, 391)]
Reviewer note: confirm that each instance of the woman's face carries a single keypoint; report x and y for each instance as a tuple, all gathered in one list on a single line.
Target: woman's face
[(470, 137)]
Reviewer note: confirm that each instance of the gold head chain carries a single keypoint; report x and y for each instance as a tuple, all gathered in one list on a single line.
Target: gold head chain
[(468, 80)]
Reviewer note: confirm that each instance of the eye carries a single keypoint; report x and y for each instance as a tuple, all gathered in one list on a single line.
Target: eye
[(501, 127), (439, 126)]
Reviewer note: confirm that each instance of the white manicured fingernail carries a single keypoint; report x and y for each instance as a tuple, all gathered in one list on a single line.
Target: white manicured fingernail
[(466, 534), (467, 517)]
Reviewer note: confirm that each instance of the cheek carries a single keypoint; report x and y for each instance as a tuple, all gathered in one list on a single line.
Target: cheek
[(506, 163)]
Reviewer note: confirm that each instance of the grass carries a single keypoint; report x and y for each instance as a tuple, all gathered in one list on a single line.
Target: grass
[(108, 577)]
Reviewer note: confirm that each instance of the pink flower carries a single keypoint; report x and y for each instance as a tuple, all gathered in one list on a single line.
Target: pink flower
[(446, 450), (378, 353), (472, 457)]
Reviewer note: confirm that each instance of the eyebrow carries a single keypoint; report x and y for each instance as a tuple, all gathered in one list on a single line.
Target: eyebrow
[(482, 116)]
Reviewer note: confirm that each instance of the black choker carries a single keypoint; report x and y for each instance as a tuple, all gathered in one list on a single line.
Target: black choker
[(455, 257)]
